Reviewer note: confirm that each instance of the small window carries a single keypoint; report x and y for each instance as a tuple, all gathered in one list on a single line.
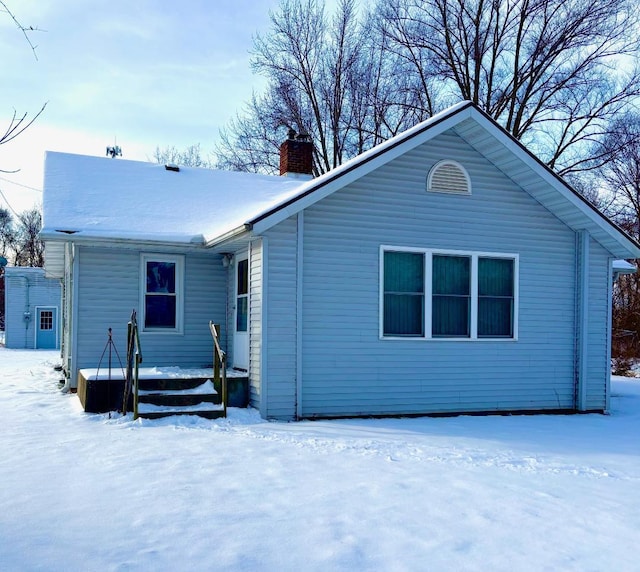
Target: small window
[(46, 320), (242, 296), (161, 293), (449, 177)]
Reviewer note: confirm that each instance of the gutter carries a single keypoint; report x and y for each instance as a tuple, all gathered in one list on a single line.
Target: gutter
[(78, 238), (229, 235)]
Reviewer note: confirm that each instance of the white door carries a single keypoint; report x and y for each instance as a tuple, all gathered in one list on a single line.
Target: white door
[(241, 333)]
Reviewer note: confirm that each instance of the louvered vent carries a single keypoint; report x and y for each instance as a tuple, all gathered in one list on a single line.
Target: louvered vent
[(449, 177)]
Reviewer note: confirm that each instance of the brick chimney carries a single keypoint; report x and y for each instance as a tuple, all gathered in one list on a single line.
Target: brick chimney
[(296, 156)]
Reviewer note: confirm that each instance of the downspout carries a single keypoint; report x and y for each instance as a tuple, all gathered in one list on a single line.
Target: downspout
[(264, 324), (611, 278), (299, 291), (72, 381), (582, 260)]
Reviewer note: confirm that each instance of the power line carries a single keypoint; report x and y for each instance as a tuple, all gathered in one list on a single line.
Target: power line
[(9, 205), (20, 185)]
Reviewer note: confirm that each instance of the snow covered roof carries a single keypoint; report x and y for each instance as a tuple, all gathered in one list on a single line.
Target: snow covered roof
[(114, 199)]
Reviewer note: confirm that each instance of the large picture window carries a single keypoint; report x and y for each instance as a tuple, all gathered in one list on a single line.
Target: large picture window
[(448, 294), (161, 289)]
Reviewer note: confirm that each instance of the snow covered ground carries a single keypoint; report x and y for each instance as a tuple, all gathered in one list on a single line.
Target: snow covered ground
[(89, 492)]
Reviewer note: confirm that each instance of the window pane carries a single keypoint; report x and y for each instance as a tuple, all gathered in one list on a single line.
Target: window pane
[(161, 277), (495, 317), (403, 315), (160, 311), (450, 316), (495, 297), (451, 303), (451, 275), (495, 277), (403, 272), (243, 277), (242, 313)]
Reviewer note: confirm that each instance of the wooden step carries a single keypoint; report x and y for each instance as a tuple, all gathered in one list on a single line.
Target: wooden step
[(171, 383), (206, 410), (190, 396), (213, 414)]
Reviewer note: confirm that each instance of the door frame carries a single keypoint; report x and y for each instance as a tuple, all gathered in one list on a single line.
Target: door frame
[(55, 328), (241, 339)]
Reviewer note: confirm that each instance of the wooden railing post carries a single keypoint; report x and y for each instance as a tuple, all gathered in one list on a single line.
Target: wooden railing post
[(216, 359), (219, 364)]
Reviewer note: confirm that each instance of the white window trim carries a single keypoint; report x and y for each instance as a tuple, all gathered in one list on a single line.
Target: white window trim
[(443, 163), (428, 287), (178, 260)]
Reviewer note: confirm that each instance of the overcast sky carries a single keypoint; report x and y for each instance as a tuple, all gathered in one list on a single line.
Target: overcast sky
[(144, 73)]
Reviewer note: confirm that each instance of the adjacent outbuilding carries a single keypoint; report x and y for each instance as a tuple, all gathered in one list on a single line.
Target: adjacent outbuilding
[(32, 309)]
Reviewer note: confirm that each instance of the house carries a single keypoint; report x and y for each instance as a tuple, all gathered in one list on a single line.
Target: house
[(32, 309), (446, 270)]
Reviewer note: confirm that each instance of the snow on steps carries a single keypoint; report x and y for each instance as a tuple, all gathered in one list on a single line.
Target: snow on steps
[(164, 391), (170, 396)]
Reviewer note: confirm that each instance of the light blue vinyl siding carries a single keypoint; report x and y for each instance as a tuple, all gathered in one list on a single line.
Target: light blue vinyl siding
[(281, 325), (256, 285), (348, 370), (108, 289)]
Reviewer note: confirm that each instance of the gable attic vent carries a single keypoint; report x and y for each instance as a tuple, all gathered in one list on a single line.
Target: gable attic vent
[(449, 177)]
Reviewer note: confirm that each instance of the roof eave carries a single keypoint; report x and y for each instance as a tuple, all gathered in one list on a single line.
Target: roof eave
[(228, 236), (86, 238), (629, 247)]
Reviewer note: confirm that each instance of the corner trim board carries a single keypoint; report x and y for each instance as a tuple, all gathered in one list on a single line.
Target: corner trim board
[(583, 320), (264, 338), (299, 310)]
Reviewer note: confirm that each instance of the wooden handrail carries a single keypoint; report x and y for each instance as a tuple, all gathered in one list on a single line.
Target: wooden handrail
[(137, 362), (134, 359), (219, 363)]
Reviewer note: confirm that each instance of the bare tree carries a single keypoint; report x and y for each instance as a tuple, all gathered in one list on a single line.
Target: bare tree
[(29, 249), (619, 176), (328, 76), (18, 122), (190, 156), (7, 233), (554, 73)]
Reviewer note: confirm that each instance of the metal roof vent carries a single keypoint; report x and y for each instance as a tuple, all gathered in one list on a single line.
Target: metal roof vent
[(172, 167), (449, 177)]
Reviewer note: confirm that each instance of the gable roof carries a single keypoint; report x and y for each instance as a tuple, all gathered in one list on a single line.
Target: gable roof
[(493, 142), (99, 198)]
